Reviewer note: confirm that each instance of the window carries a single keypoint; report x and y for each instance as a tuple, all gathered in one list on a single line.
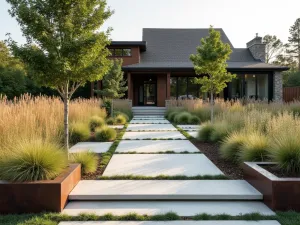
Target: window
[(119, 52), (184, 88)]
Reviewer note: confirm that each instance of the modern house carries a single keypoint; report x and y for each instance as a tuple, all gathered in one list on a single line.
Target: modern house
[(158, 68)]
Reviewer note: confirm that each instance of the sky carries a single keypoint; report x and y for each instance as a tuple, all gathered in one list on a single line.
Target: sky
[(240, 19)]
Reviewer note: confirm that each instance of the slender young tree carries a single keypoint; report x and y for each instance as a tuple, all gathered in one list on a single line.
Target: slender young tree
[(114, 85), (210, 61), (294, 42), (64, 48), (274, 47)]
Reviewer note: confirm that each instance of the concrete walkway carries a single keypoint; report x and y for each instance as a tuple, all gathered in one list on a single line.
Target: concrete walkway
[(184, 197)]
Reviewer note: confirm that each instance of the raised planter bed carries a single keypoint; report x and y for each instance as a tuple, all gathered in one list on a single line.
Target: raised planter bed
[(279, 193), (39, 196)]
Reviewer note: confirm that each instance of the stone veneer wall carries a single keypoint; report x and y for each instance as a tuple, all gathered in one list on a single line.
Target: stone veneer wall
[(257, 48), (278, 87)]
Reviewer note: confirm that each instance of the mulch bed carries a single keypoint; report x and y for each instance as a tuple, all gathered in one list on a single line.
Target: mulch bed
[(279, 173), (211, 151), (95, 175)]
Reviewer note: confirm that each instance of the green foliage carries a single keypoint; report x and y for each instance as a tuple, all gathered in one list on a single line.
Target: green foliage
[(182, 118), (205, 132), (126, 113), (203, 113), (79, 132), (220, 131), (87, 159), (105, 134), (172, 115), (285, 150), (70, 49), (291, 79), (255, 148), (194, 120), (294, 42), (110, 121), (231, 147), (210, 60), (121, 119), (96, 122), (32, 161), (114, 85)]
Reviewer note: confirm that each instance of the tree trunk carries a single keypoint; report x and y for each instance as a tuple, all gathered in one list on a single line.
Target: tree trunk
[(211, 106), (66, 120)]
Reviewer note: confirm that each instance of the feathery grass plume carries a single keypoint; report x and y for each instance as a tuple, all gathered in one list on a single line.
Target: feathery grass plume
[(87, 159), (32, 160)]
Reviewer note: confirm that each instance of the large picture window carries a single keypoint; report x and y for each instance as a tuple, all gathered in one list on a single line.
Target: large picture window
[(250, 86), (118, 52), (184, 88)]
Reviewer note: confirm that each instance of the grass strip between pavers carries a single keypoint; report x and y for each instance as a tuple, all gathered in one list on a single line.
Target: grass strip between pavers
[(163, 177), (161, 152), (106, 156), (153, 139), (285, 218)]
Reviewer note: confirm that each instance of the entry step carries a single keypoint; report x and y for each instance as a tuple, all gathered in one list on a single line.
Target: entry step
[(181, 208), (180, 222), (164, 190)]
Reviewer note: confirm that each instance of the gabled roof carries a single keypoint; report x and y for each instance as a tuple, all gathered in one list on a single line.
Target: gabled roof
[(171, 48)]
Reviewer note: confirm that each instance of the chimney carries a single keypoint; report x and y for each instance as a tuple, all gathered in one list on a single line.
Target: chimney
[(257, 48)]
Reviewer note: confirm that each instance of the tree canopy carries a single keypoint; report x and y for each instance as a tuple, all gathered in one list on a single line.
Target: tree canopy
[(65, 47), (274, 47), (294, 42), (114, 85), (210, 62)]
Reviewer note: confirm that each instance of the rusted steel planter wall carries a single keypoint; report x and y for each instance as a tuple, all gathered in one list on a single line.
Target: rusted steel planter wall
[(279, 193), (40, 196)]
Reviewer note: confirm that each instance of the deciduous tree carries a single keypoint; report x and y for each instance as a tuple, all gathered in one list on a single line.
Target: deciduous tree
[(210, 61), (274, 47), (64, 48)]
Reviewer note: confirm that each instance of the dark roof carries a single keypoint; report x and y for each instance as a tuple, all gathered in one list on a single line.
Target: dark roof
[(171, 49), (141, 44)]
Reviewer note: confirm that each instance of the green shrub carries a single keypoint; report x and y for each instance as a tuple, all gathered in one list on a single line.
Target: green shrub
[(194, 120), (87, 159), (203, 113), (121, 119), (32, 161), (182, 118), (126, 113), (285, 150), (79, 132), (172, 115), (220, 131), (105, 134), (110, 121), (231, 147), (255, 148), (96, 122), (205, 132)]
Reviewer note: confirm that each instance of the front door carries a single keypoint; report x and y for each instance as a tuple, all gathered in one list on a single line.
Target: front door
[(147, 93)]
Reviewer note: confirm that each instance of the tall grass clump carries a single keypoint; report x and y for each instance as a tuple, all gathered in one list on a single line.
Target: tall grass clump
[(32, 161), (194, 120), (79, 132), (205, 131), (231, 147), (105, 134), (96, 122), (121, 119), (220, 131), (255, 147), (87, 159), (110, 121)]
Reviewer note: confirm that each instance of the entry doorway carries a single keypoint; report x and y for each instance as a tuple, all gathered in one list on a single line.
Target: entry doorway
[(148, 92)]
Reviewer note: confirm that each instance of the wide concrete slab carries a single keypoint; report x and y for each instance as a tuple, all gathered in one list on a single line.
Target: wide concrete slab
[(181, 208), (116, 126), (148, 146), (151, 127), (189, 127), (161, 164), (179, 222), (153, 121), (153, 134), (216, 190), (148, 117), (97, 147)]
